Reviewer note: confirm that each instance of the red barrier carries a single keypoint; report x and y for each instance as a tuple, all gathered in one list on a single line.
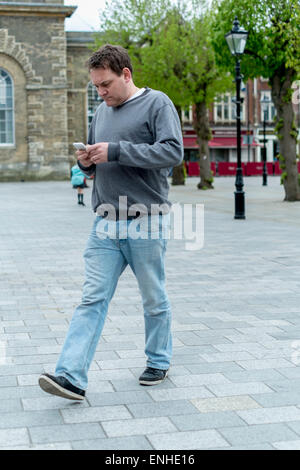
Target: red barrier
[(277, 169), (254, 168), (194, 169), (270, 168), (249, 168), (228, 169)]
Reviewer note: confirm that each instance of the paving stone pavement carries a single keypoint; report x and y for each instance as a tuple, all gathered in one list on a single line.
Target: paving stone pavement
[(235, 376)]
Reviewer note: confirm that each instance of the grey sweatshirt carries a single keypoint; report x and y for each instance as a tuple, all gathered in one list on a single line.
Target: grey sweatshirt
[(145, 141)]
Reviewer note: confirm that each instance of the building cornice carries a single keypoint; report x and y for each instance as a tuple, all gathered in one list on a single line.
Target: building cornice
[(36, 9)]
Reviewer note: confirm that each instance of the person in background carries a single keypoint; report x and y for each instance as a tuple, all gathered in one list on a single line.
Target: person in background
[(78, 182)]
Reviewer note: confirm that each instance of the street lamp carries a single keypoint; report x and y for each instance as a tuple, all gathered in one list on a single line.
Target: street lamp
[(264, 104), (236, 40)]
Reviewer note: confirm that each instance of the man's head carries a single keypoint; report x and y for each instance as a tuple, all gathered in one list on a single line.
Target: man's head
[(111, 73)]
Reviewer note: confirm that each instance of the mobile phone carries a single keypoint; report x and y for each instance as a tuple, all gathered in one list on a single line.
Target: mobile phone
[(79, 146)]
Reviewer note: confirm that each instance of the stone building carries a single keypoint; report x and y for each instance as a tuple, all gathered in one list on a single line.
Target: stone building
[(43, 90)]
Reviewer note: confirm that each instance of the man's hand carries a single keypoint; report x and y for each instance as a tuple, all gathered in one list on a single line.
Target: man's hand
[(98, 153), (84, 158)]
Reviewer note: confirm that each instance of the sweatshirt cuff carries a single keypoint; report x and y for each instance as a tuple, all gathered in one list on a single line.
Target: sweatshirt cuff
[(87, 169), (113, 151)]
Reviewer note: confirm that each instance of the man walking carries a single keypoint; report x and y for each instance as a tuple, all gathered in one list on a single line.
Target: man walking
[(134, 140)]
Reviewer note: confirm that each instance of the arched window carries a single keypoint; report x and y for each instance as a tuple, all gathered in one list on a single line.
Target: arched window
[(93, 102), (6, 109)]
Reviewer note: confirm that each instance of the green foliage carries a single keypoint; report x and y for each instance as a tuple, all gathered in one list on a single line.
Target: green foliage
[(273, 52), (273, 44), (211, 179), (170, 46), (279, 125), (288, 96), (294, 131), (294, 134), (283, 177)]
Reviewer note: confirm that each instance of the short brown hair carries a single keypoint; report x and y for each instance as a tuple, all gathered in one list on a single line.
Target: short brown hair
[(114, 57)]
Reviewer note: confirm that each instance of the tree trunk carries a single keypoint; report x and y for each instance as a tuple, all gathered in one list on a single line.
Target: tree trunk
[(202, 129), (178, 175), (287, 133)]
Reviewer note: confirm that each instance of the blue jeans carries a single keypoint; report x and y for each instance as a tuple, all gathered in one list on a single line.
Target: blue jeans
[(106, 257)]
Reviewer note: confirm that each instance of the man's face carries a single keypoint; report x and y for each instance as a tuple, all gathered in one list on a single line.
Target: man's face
[(113, 89)]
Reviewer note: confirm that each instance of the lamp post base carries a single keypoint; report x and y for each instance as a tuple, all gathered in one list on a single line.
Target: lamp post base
[(239, 212), (265, 174), (265, 180), (239, 195)]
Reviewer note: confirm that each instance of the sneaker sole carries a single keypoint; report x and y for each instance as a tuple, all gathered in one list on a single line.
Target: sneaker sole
[(152, 382), (49, 386)]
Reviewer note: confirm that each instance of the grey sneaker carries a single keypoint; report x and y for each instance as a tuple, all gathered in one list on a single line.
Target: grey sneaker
[(61, 387), (152, 376)]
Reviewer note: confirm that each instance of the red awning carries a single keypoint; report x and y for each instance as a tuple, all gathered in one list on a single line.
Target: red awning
[(190, 143), (215, 142), (223, 142)]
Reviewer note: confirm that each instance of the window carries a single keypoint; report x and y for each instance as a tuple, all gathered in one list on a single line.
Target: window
[(187, 115), (6, 109), (267, 108), (191, 155), (225, 108), (93, 102)]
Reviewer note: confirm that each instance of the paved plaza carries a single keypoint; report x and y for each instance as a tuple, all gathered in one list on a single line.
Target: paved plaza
[(235, 376)]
